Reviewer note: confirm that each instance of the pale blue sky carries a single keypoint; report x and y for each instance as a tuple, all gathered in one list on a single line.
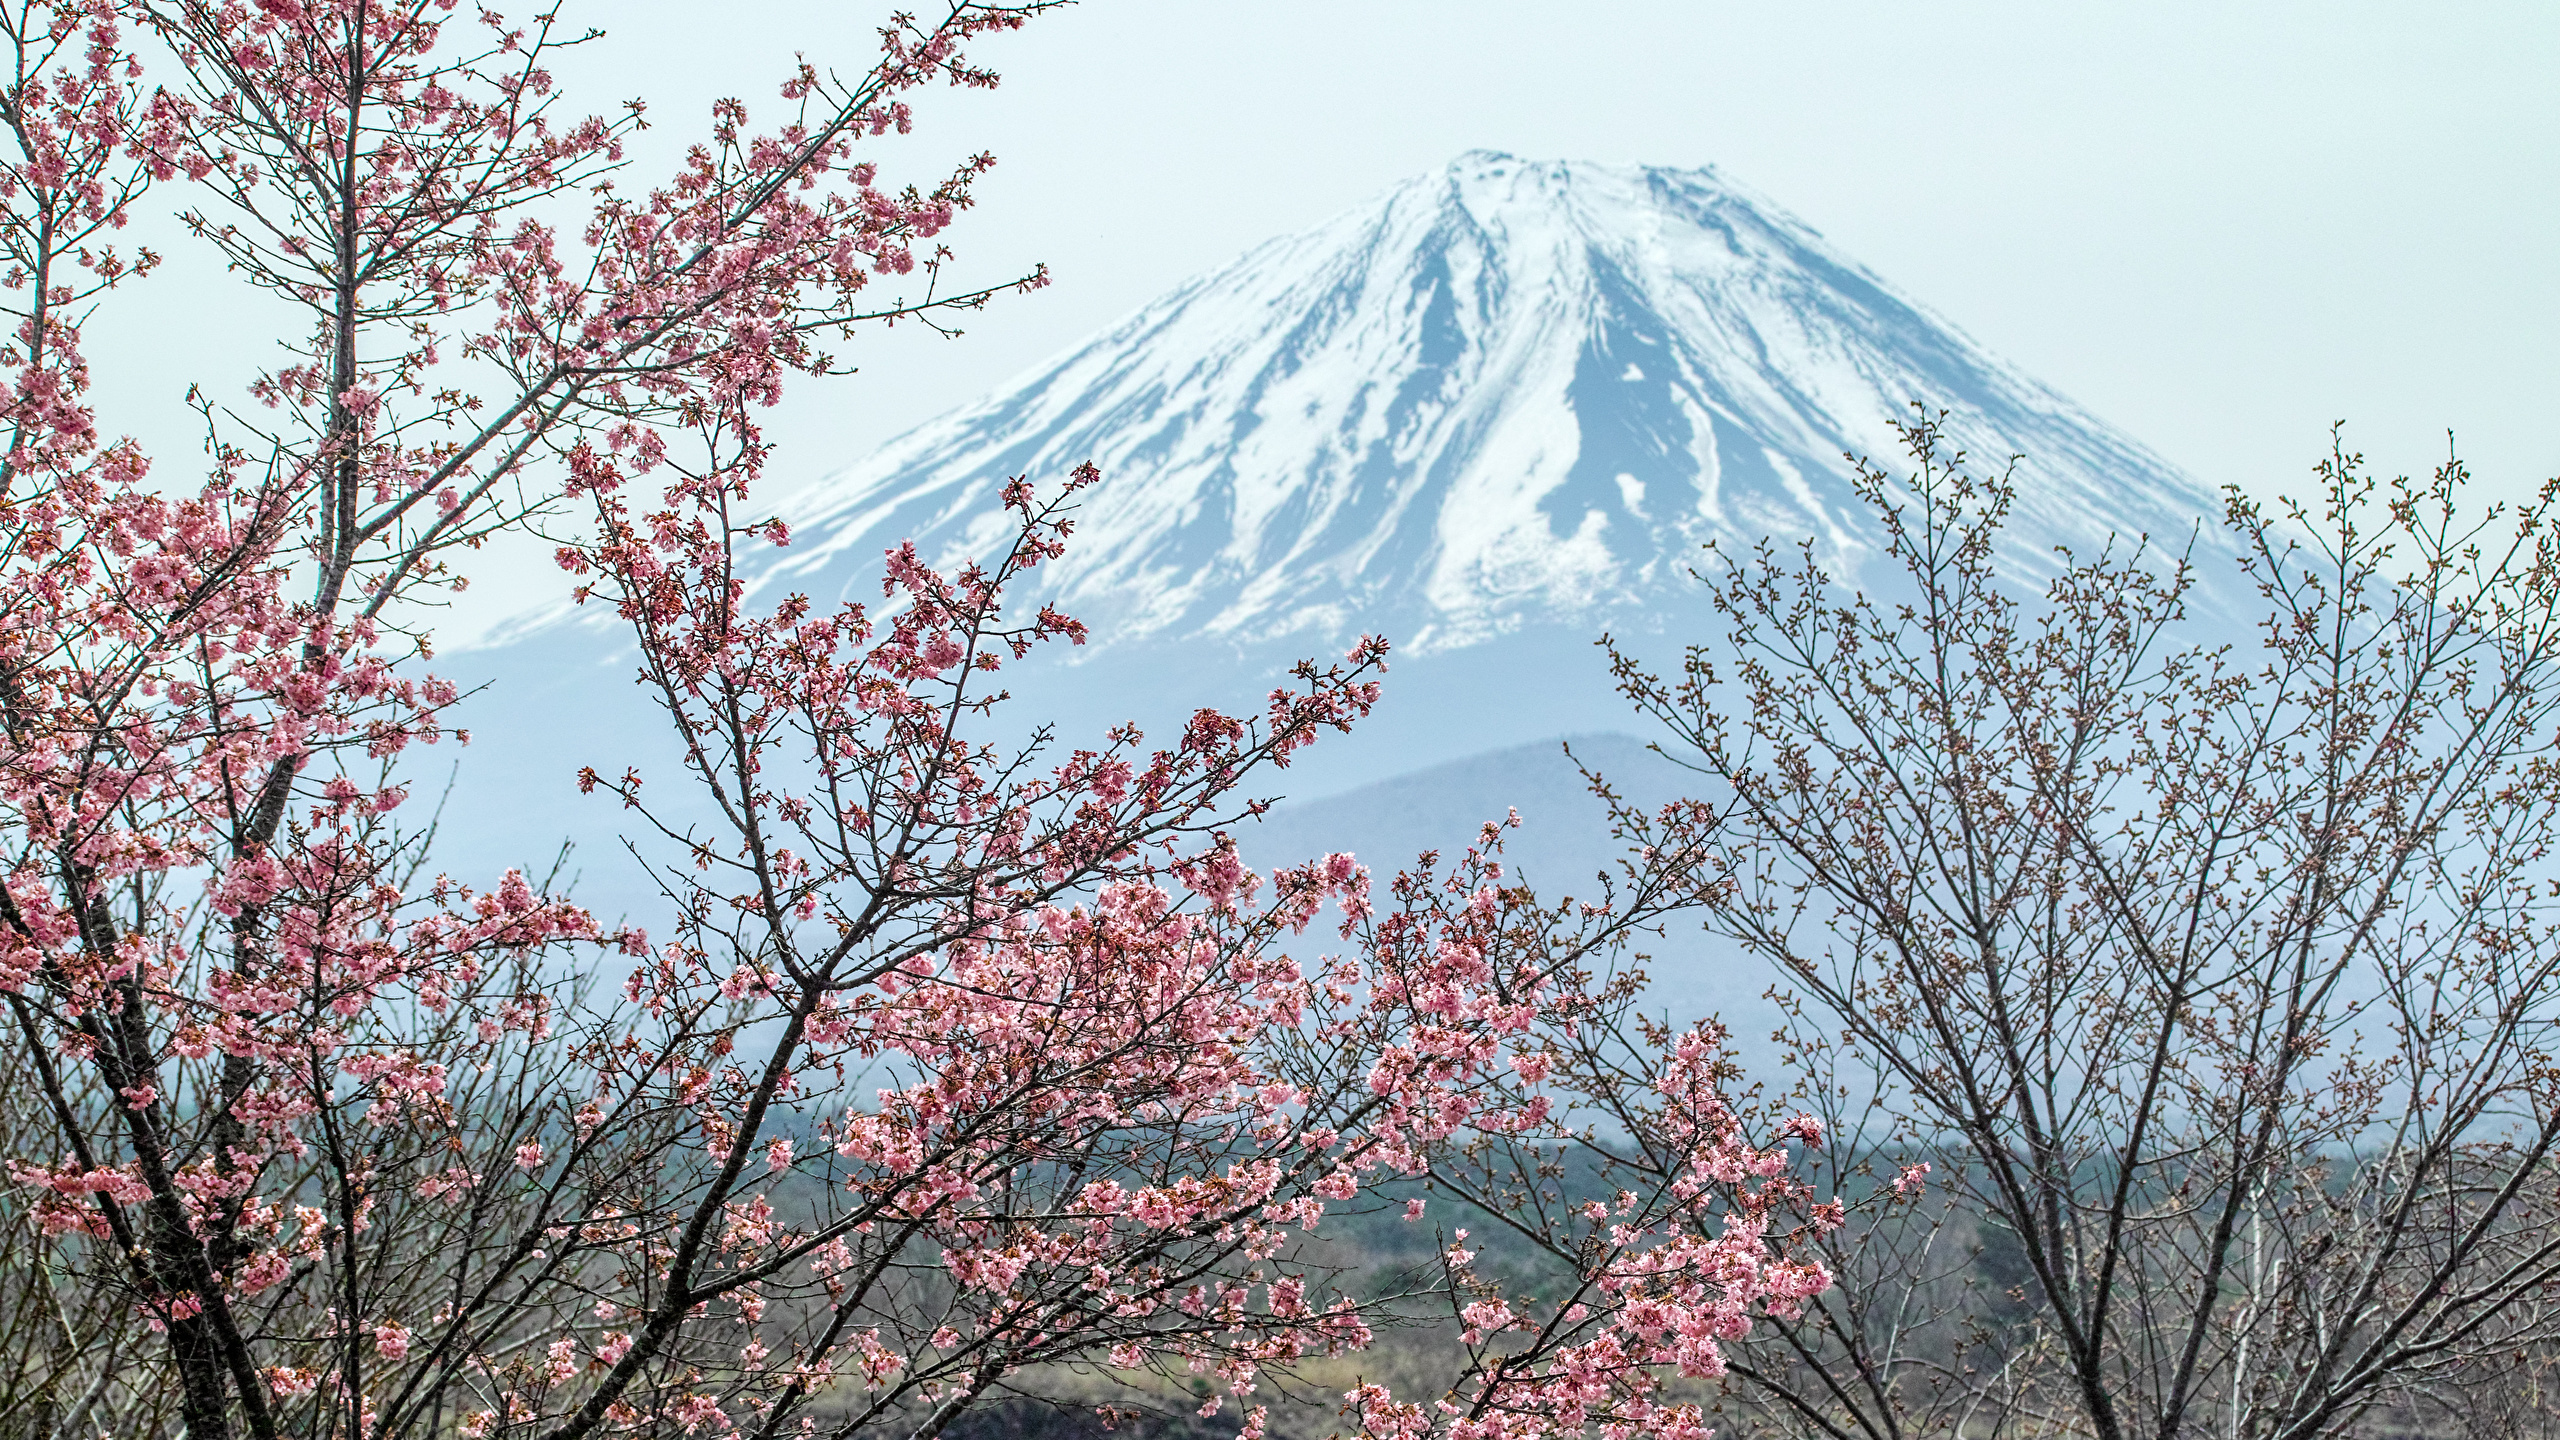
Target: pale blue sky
[(2218, 226)]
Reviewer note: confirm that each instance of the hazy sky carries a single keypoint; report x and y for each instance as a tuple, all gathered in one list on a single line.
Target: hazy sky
[(2218, 226)]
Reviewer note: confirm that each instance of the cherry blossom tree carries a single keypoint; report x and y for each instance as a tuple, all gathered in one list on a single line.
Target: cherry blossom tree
[(949, 1059), (2214, 965)]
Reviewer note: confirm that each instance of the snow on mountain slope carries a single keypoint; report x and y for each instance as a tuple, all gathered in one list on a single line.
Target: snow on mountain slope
[(1506, 394)]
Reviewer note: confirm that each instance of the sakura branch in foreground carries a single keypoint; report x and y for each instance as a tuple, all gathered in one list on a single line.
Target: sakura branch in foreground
[(950, 1063)]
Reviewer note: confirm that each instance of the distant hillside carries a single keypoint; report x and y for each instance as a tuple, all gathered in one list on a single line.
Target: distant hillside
[(1563, 842)]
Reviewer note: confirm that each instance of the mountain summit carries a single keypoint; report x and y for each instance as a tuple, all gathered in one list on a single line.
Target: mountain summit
[(1506, 394)]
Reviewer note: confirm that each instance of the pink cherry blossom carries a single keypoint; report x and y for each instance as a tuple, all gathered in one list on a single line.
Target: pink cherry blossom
[(360, 1146)]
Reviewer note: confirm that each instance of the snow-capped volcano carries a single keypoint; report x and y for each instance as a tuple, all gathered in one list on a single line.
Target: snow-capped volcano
[(1487, 415), (1507, 393)]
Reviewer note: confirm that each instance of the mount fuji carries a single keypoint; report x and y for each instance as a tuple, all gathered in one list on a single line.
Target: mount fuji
[(1489, 414), (1505, 396)]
